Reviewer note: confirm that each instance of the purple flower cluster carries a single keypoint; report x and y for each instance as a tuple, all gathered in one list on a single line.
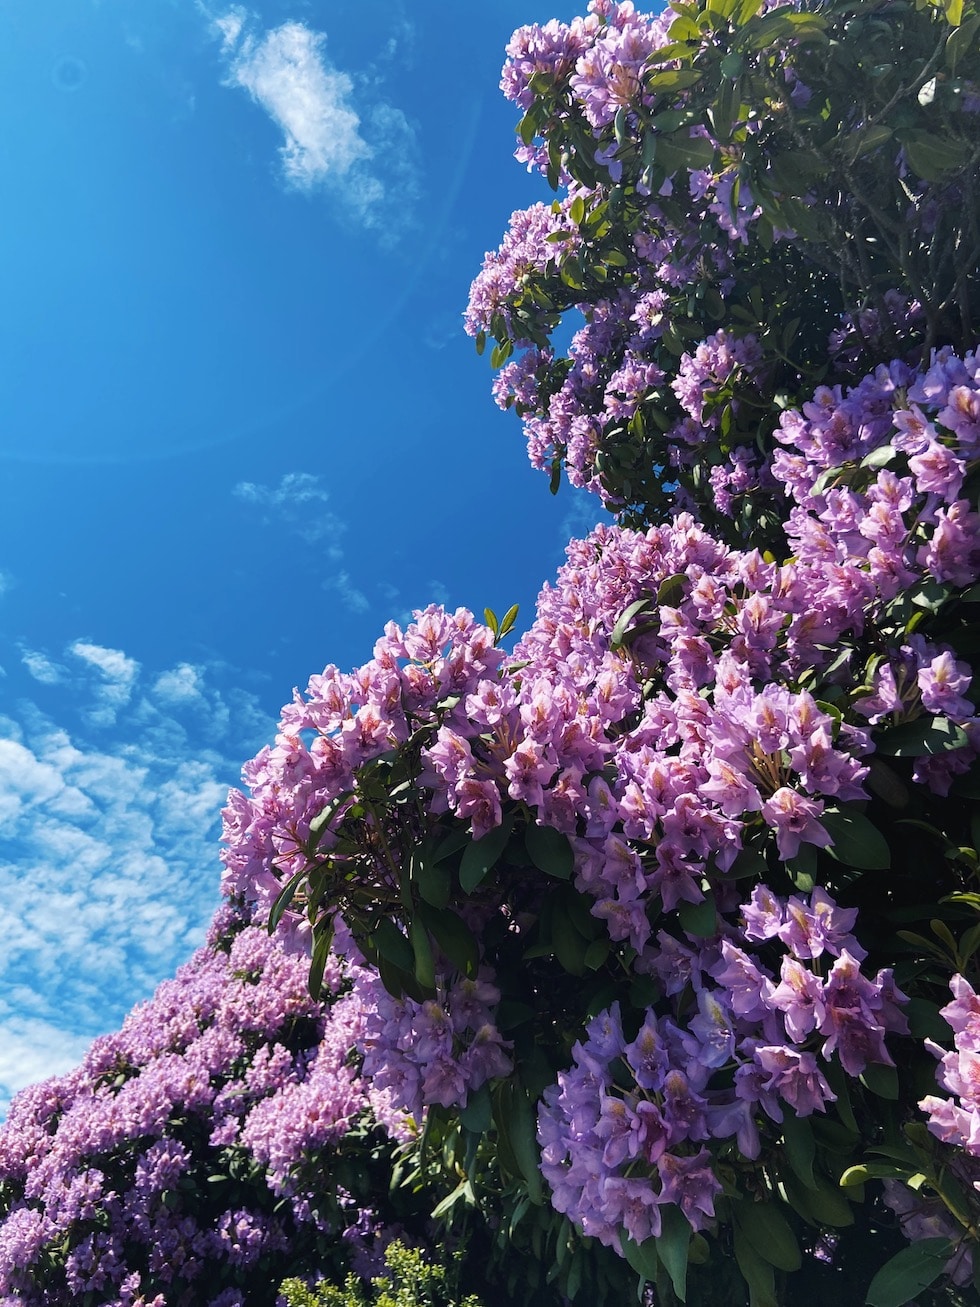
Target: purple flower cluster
[(647, 714), (437, 1051), (628, 1128), (349, 720), (956, 1120), (528, 247), (113, 1175)]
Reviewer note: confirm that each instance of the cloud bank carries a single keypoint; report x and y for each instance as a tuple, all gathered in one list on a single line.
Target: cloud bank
[(111, 783)]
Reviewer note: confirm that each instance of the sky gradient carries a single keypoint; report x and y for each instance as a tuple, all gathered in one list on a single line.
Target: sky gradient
[(242, 429)]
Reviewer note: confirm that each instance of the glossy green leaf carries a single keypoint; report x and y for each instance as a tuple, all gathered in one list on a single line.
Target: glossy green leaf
[(285, 897), (641, 1257), (477, 1115), (322, 942), (619, 630), (454, 937), (799, 1145), (934, 157), (424, 966), (673, 1246), (700, 919), (756, 1271), (769, 1233), (392, 944), (909, 1272), (481, 856), (923, 737), (434, 882), (550, 851), (523, 1139), (857, 841)]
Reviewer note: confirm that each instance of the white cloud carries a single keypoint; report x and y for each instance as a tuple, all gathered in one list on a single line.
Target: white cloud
[(230, 27), (181, 685), (117, 677), (285, 72), (41, 667), (367, 157)]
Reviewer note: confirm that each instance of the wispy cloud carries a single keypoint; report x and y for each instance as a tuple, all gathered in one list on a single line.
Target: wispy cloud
[(109, 865), (114, 679), (366, 155), (41, 667), (300, 505)]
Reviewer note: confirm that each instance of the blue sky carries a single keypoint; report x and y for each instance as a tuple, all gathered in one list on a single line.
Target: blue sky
[(241, 429)]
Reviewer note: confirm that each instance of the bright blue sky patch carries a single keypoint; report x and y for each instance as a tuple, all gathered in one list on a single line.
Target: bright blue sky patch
[(242, 428)]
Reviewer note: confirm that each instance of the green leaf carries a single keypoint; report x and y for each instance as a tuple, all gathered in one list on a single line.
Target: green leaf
[(477, 1115), (596, 954), (908, 1273), (619, 630), (673, 1246), (454, 937), (480, 856), (799, 1145), (392, 944), (425, 972), (857, 841), (699, 919), (508, 620), (672, 590), (769, 1233), (570, 945), (881, 1080), (523, 1139), (959, 42), (866, 140), (550, 851), (819, 1203), (756, 1271), (678, 152), (322, 941), (577, 210), (285, 897), (921, 738), (933, 157), (925, 1021), (434, 882), (322, 820), (642, 1257)]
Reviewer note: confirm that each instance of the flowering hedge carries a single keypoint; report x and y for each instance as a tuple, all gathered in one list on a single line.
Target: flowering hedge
[(696, 860), (220, 1140)]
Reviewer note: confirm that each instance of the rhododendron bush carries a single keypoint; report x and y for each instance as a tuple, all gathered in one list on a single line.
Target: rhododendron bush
[(656, 935)]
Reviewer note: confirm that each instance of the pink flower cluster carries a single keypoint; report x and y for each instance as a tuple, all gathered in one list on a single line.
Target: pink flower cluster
[(617, 1145), (153, 1171)]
